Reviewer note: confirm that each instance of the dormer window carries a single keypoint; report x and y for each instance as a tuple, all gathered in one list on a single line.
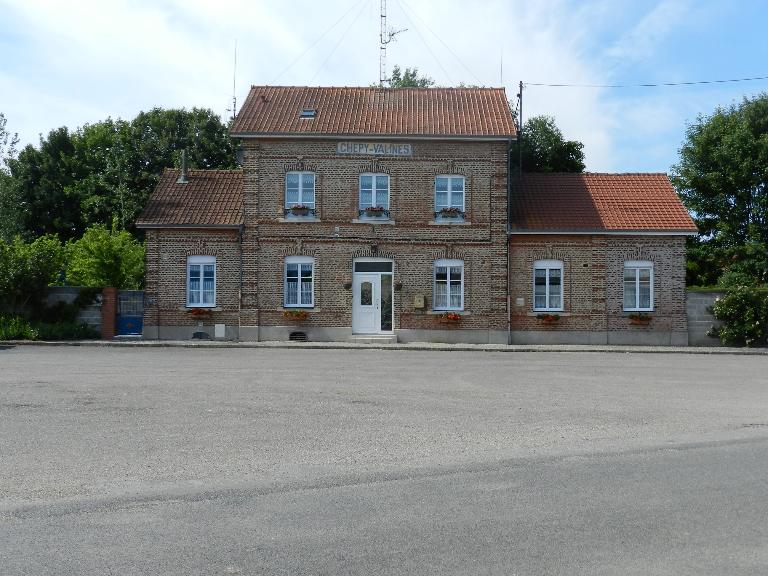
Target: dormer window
[(308, 113)]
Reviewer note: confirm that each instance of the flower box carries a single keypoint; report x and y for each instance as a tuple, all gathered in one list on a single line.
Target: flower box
[(639, 319), (375, 211), (297, 315), (449, 318), (548, 318), (300, 210), (199, 312), (450, 213)]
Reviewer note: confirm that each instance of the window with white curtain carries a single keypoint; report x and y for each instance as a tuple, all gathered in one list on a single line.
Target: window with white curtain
[(448, 285), (201, 281), (548, 285), (300, 189), (299, 288), (638, 285)]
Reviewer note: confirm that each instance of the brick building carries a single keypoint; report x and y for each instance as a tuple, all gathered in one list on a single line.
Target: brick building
[(382, 214)]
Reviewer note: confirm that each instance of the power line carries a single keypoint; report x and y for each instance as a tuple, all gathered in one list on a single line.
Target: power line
[(424, 41), (316, 42), (405, 4), (341, 39), (646, 85)]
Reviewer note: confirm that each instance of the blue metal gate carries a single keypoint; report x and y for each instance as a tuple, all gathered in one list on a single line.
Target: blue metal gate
[(130, 312)]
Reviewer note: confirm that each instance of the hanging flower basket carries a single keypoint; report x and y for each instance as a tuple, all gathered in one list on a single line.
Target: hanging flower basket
[(199, 312), (451, 318), (296, 315), (451, 212), (549, 318), (639, 319), (300, 210)]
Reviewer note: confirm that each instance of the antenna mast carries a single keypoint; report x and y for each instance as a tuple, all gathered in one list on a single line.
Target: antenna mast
[(385, 37), (234, 86)]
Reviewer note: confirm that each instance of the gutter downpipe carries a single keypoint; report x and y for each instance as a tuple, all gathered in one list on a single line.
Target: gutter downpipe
[(506, 239), (240, 289)]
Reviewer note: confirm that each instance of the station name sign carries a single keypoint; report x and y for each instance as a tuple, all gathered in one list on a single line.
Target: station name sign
[(374, 148)]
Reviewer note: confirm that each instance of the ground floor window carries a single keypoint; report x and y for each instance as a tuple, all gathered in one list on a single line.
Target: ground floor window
[(201, 281), (638, 285), (299, 281), (449, 285), (548, 285)]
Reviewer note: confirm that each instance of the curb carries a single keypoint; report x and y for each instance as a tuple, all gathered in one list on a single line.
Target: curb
[(417, 346)]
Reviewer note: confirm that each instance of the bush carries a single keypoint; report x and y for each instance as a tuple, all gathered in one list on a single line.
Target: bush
[(744, 314), (16, 328), (27, 271), (65, 331), (104, 257)]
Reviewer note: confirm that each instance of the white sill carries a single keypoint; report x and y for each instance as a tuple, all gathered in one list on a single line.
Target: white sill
[(298, 219), (449, 223), (298, 307), (373, 221), (213, 308), (638, 310)]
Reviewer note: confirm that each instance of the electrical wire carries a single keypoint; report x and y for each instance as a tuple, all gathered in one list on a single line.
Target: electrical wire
[(645, 85), (447, 47), (317, 41), (424, 41), (341, 39)]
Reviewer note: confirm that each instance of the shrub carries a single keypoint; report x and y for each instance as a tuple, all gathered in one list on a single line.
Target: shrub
[(65, 331), (104, 257), (744, 314), (27, 271), (16, 328)]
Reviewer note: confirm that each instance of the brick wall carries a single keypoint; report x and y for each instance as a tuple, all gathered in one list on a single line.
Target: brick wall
[(165, 295), (413, 241), (593, 286)]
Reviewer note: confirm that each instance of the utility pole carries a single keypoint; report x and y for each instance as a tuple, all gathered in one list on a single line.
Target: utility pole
[(520, 127), (385, 37)]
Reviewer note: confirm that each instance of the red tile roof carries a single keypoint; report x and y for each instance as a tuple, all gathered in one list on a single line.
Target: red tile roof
[(440, 112), (597, 202), (209, 198)]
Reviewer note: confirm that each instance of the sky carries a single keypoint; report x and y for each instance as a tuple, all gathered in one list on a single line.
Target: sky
[(78, 62)]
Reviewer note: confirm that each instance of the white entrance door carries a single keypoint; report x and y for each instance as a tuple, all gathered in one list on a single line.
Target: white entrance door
[(366, 303)]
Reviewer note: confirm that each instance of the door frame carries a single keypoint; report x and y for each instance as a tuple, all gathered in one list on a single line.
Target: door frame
[(376, 291)]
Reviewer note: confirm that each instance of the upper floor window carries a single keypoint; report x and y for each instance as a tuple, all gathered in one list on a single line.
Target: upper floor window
[(449, 285), (300, 193), (548, 285), (299, 288), (449, 197), (374, 196), (201, 281), (638, 285)]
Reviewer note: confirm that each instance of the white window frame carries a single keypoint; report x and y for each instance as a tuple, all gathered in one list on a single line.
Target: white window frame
[(374, 195), (549, 265), (448, 264), (200, 261), (299, 260), (301, 201), (450, 192), (637, 265)]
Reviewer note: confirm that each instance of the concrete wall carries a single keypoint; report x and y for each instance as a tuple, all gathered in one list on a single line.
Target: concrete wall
[(90, 315), (700, 319)]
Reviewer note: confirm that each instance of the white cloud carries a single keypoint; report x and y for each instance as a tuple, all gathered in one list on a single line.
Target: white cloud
[(81, 62)]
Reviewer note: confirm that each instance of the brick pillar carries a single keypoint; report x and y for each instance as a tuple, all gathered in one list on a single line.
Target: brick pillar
[(108, 313)]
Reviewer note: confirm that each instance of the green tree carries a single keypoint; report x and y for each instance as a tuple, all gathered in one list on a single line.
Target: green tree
[(27, 271), (10, 224), (544, 149), (722, 176), (408, 79), (109, 169), (104, 257)]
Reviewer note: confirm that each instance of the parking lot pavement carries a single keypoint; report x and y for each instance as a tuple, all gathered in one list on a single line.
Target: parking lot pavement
[(78, 422), (181, 461)]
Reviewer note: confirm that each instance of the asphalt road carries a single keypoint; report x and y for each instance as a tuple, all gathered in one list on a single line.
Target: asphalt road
[(177, 461)]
